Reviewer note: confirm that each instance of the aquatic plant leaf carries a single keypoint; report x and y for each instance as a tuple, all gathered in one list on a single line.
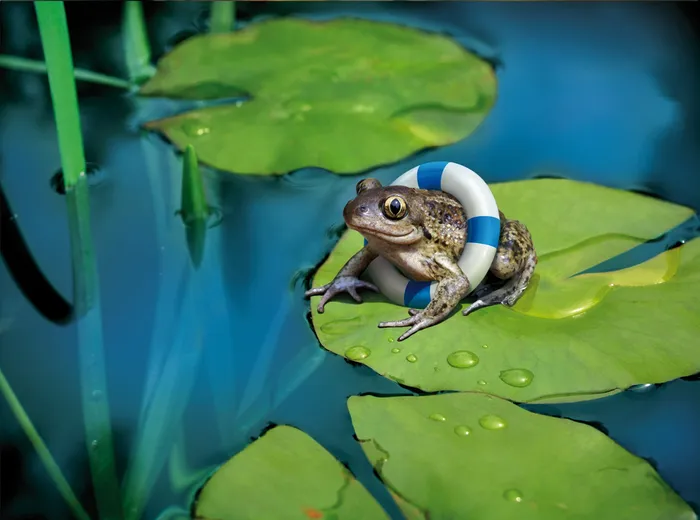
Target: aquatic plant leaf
[(285, 474), (469, 455), (194, 209), (345, 95), (569, 338)]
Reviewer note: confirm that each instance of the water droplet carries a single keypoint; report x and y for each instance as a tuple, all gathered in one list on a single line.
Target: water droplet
[(492, 422), (411, 358), (195, 128), (437, 417), (339, 327), (518, 377), (484, 346), (395, 350), (95, 176), (513, 495), (481, 382), (463, 430), (96, 394), (462, 359), (357, 353), (390, 340)]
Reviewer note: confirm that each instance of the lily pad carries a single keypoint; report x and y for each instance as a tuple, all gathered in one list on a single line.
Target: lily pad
[(345, 95), (469, 455), (285, 474), (569, 338)]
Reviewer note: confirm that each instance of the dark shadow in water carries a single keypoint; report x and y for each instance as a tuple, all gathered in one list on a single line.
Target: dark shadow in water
[(26, 272), (16, 488)]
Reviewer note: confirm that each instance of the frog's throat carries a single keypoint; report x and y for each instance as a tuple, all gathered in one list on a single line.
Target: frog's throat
[(410, 237)]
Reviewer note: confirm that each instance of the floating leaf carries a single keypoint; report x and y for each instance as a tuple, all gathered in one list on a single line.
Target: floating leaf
[(469, 455), (568, 338), (285, 474), (345, 95)]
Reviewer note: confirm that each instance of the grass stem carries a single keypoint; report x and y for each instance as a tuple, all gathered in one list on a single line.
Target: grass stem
[(53, 28), (137, 50), (39, 67), (222, 17), (42, 450)]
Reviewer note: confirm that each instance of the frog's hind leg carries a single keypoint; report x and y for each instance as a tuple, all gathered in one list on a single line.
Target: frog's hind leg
[(514, 262)]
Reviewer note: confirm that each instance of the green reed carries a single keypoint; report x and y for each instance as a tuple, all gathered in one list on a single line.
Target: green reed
[(175, 352), (137, 50), (42, 450), (53, 28), (222, 16)]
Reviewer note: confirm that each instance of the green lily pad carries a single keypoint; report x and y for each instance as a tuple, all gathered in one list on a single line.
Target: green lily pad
[(470, 455), (569, 338), (345, 95), (285, 474)]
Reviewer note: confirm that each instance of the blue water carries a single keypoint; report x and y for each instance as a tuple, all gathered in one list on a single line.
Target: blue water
[(605, 93)]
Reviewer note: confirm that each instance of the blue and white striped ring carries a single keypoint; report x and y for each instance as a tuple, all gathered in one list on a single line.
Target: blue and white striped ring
[(483, 231)]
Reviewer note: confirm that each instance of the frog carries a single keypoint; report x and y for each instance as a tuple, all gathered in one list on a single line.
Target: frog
[(423, 234)]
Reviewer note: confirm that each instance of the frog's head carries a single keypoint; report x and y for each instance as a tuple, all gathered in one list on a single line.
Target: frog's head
[(385, 213)]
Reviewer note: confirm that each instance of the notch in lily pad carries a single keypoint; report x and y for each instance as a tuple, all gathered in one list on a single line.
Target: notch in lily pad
[(344, 95), (194, 210)]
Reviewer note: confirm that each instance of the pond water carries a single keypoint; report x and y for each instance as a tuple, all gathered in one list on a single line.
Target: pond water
[(600, 92)]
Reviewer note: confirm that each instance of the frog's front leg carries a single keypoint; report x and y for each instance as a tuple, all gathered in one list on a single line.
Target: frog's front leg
[(347, 279), (449, 292), (514, 262)]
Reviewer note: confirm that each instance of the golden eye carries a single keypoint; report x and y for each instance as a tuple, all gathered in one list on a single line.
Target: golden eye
[(395, 207)]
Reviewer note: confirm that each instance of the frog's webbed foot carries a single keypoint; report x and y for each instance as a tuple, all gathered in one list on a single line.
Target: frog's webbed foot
[(447, 295), (510, 292), (349, 284)]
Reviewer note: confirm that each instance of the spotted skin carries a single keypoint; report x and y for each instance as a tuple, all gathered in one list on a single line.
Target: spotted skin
[(422, 233)]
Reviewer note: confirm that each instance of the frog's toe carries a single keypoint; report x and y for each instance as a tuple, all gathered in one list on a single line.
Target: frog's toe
[(361, 284), (326, 297), (315, 291), (400, 323), (506, 297), (413, 312), (418, 326), (355, 296), (478, 304)]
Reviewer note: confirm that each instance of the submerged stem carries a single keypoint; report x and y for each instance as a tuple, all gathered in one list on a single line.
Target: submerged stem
[(53, 28), (222, 17), (42, 450), (39, 67)]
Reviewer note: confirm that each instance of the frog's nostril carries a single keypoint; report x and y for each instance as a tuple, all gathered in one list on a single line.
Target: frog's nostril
[(362, 210)]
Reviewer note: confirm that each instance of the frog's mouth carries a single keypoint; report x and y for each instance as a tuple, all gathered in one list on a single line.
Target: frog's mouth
[(409, 237)]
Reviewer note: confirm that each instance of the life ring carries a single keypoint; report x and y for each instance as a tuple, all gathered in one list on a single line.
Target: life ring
[(483, 231)]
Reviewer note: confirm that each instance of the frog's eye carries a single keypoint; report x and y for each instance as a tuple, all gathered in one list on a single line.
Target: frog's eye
[(395, 207)]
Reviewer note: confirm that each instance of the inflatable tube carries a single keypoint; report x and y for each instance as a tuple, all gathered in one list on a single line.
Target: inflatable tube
[(483, 231)]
